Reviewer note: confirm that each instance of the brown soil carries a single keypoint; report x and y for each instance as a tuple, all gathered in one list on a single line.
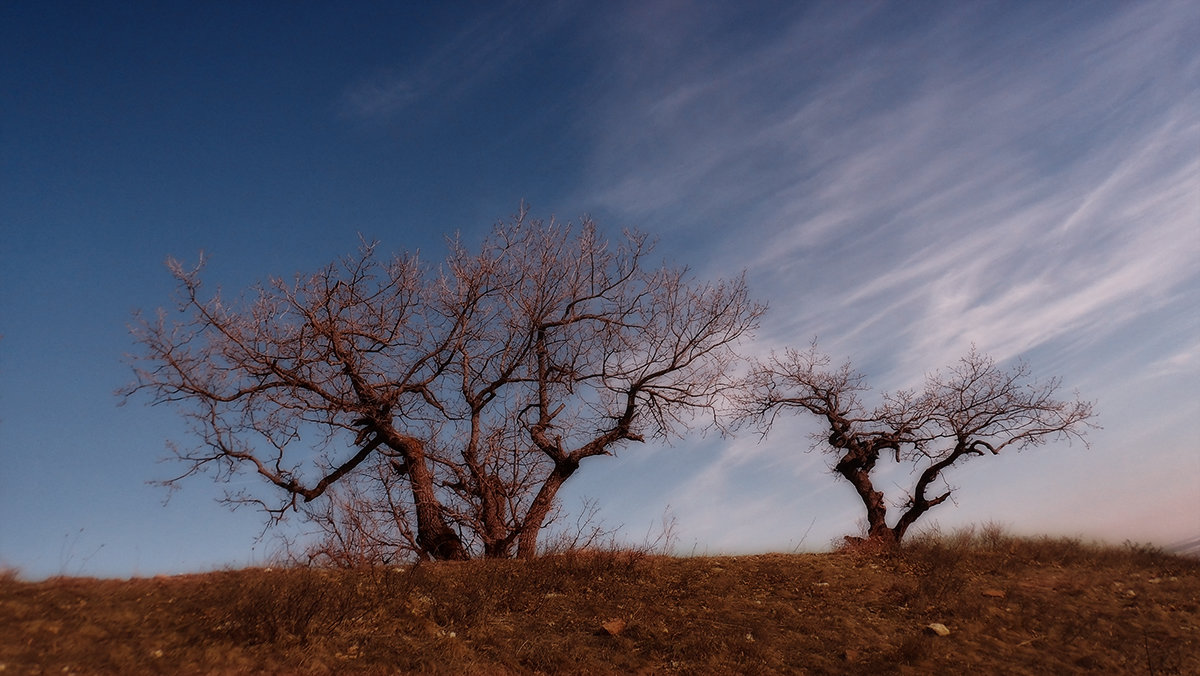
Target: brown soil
[(1011, 606)]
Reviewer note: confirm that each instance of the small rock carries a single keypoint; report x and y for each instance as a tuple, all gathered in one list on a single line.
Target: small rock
[(613, 627), (850, 655), (938, 628), (993, 593), (1154, 580)]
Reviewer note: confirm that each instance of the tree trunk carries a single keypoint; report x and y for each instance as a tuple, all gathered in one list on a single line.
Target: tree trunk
[(535, 518), (921, 503), (435, 537), (497, 540), (859, 476)]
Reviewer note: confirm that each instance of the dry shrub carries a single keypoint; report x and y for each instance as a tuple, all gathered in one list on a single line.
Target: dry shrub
[(293, 605), (941, 565), (468, 593)]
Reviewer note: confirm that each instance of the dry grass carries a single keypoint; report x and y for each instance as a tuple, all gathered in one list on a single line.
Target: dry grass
[(1013, 606)]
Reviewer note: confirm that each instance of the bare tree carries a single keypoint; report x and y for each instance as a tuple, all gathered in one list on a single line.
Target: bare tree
[(458, 398), (974, 408)]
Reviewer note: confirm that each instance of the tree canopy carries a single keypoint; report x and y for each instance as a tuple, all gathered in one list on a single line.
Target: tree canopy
[(443, 406), (972, 409)]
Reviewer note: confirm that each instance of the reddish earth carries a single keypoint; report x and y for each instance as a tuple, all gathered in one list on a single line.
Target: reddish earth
[(1010, 606)]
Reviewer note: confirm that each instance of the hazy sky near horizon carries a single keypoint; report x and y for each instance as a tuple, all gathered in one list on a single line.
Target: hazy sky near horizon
[(899, 180)]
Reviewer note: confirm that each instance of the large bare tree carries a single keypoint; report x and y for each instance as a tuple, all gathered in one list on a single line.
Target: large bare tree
[(445, 405), (973, 409)]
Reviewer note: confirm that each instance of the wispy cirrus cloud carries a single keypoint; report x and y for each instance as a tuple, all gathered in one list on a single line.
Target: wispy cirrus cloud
[(472, 57), (381, 95), (1025, 179), (1013, 164)]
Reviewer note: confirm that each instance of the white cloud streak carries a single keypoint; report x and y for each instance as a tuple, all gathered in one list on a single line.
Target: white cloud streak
[(1006, 202), (1026, 180)]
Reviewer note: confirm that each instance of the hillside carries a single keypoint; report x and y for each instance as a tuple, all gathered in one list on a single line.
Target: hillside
[(1011, 606)]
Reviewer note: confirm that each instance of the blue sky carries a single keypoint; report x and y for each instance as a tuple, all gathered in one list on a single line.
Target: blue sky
[(900, 180)]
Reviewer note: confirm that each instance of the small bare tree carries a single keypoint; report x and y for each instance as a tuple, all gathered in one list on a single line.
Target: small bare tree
[(451, 403), (973, 409)]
